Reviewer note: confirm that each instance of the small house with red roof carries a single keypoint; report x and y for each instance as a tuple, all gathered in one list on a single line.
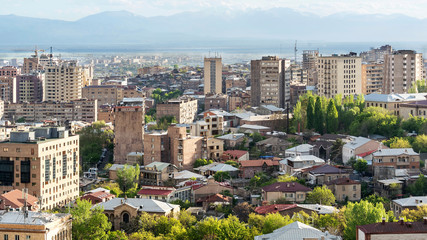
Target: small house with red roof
[(235, 155), (345, 188), (289, 191), (213, 200), (274, 208), (15, 200), (160, 193), (98, 196), (249, 168)]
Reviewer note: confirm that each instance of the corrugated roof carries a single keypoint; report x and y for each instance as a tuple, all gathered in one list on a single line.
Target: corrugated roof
[(296, 231), (395, 151), (411, 201), (147, 205)]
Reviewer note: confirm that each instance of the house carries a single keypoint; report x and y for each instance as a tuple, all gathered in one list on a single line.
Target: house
[(359, 145), (323, 149), (160, 193), (398, 158), (290, 164), (96, 197), (209, 202), (157, 173), (185, 193), (345, 189), (300, 150), (273, 145), (215, 167), (186, 175), (297, 231), (290, 191), (112, 171), (388, 188), (319, 175), (411, 203), (235, 155), (14, 199), (122, 210), (232, 140), (269, 109), (249, 128), (210, 188), (249, 168), (274, 208), (392, 230)]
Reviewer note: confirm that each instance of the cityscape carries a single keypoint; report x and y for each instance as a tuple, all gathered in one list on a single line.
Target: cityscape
[(140, 120)]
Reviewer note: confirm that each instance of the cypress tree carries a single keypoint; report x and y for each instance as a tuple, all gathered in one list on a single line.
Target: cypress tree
[(318, 116), (310, 113), (331, 118)]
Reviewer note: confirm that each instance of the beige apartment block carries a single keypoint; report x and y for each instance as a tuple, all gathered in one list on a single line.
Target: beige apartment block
[(213, 75), (43, 160), (78, 110), (37, 226), (216, 101), (213, 148), (7, 86), (64, 81), (268, 83), (156, 147), (183, 109), (345, 189), (211, 125), (339, 75), (401, 71), (372, 78), (309, 62), (111, 94), (128, 131)]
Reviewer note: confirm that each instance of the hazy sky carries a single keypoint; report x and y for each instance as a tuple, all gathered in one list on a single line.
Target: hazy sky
[(75, 9)]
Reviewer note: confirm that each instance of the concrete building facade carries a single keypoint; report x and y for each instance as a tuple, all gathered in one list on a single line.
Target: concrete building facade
[(339, 75), (63, 81), (30, 87), (372, 78), (213, 75), (183, 109)]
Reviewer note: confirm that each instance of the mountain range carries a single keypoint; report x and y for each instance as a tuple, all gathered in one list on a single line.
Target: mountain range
[(212, 27)]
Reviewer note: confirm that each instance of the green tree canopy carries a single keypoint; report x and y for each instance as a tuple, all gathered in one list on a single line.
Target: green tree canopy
[(331, 117), (310, 113), (89, 223), (319, 116), (201, 162), (361, 165), (420, 143), (128, 177), (321, 195), (221, 176)]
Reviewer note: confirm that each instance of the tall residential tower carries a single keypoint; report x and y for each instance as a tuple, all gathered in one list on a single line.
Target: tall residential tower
[(213, 75)]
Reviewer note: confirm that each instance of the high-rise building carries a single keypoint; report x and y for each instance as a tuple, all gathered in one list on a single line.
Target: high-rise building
[(7, 88), (295, 74), (309, 63), (63, 81), (372, 78), (213, 75), (183, 109), (339, 74), (111, 94), (268, 82), (43, 160), (129, 120), (376, 55), (9, 71), (30, 87), (402, 69)]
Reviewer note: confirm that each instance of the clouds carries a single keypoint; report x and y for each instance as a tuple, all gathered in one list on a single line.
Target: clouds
[(75, 9)]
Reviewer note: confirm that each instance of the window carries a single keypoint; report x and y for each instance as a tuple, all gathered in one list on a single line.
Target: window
[(28, 237), (354, 187), (5, 150), (18, 150), (16, 237), (6, 237)]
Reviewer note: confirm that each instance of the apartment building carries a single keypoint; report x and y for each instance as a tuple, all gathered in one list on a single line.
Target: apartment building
[(211, 125), (268, 83), (129, 124), (30, 87), (235, 82), (296, 74), (111, 94), (339, 74), (37, 225), (372, 78), (402, 69), (345, 189), (79, 110), (43, 160), (9, 71), (213, 75), (376, 55), (7, 86), (184, 109), (393, 102), (399, 158), (309, 62), (63, 81), (216, 101), (238, 99)]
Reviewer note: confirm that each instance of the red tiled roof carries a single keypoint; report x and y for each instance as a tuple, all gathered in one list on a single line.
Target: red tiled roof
[(14, 199), (99, 195), (394, 228), (215, 198), (274, 208), (366, 153), (235, 153), (154, 192), (286, 187), (342, 181), (258, 163)]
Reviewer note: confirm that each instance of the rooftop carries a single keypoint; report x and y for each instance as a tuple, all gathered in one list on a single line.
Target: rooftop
[(301, 148), (326, 169), (273, 208), (394, 228), (143, 204), (34, 218), (297, 231), (411, 201), (232, 136), (286, 187), (394, 152), (357, 142), (258, 163), (342, 181)]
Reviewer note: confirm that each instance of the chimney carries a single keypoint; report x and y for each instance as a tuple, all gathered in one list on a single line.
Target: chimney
[(383, 221), (425, 220), (401, 221)]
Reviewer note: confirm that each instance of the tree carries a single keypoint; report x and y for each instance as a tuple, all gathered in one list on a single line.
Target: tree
[(375, 199), (321, 195), (269, 223), (232, 163), (331, 117), (361, 165), (297, 117), (228, 228), (242, 211), (361, 213), (220, 176), (113, 187), (400, 143), (415, 215), (336, 152), (256, 137), (117, 235), (419, 187), (287, 178), (420, 143), (310, 113), (128, 177), (88, 222), (201, 162), (318, 116)]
